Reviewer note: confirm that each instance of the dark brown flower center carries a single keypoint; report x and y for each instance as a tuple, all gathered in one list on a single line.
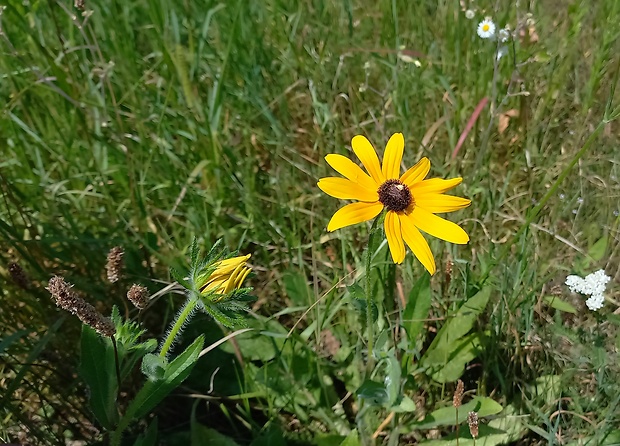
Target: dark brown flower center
[(395, 195)]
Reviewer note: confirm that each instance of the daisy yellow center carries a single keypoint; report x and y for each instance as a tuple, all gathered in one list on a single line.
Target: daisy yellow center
[(485, 27), (395, 195)]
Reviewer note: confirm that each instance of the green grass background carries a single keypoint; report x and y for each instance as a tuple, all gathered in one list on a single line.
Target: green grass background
[(153, 121)]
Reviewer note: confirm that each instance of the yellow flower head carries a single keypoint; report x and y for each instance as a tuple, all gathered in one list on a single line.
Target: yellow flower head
[(228, 276), (411, 201)]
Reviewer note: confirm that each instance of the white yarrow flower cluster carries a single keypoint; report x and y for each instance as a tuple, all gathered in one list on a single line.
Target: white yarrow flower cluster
[(486, 28), (592, 285)]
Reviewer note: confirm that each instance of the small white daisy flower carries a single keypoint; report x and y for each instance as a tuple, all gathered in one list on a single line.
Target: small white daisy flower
[(486, 28), (469, 14)]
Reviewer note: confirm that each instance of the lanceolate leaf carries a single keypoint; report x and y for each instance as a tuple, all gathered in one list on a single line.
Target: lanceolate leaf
[(98, 369), (417, 308), (446, 416), (464, 351), (449, 339)]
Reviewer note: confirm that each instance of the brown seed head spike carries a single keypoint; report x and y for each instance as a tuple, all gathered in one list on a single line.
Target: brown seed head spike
[(63, 295), (139, 296), (19, 276), (457, 400), (68, 300), (472, 420), (115, 263)]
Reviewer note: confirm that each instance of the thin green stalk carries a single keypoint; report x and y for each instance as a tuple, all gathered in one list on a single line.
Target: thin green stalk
[(370, 324), (118, 368), (187, 310), (456, 424)]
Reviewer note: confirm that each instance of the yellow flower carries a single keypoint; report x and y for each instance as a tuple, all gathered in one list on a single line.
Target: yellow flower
[(228, 276), (411, 201)]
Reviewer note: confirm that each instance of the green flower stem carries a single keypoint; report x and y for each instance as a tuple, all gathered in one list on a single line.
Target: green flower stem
[(370, 325), (187, 310)]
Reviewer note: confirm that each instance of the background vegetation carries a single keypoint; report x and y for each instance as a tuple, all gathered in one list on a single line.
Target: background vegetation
[(142, 124)]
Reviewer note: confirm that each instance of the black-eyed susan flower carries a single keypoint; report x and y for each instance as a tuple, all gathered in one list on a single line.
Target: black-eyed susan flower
[(228, 276), (410, 201)]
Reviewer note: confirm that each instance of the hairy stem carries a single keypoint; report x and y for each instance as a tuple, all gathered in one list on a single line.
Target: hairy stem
[(187, 310)]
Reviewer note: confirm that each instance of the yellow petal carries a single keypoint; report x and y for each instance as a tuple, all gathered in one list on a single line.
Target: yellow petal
[(367, 155), (416, 242), (438, 227), (435, 186), (439, 203), (394, 237), (348, 169), (417, 172), (346, 190), (241, 277), (354, 213), (218, 285), (231, 284), (393, 156), (229, 265)]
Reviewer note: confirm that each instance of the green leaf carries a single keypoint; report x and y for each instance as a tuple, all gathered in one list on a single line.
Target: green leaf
[(547, 387), (464, 351), (149, 438), (374, 392), (328, 440), (392, 378), (559, 304), (180, 277), (446, 416), (449, 339), (406, 404), (357, 297), (504, 429), (154, 367), (194, 252), (416, 311), (597, 250), (270, 435), (130, 349), (204, 436), (98, 369), (352, 439), (154, 391)]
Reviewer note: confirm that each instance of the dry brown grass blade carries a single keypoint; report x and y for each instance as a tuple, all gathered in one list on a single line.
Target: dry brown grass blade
[(472, 120)]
